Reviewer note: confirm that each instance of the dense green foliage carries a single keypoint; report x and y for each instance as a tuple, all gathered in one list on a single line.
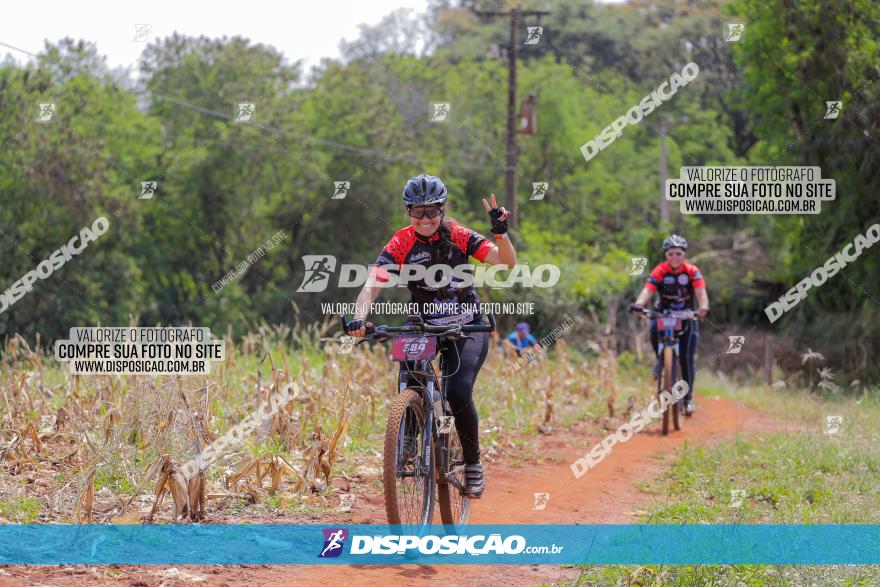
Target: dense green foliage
[(224, 188)]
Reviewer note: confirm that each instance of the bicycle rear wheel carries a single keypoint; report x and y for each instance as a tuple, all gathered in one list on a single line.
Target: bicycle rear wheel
[(455, 508), (408, 479)]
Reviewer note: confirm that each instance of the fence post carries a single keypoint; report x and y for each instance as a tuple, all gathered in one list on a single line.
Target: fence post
[(768, 359)]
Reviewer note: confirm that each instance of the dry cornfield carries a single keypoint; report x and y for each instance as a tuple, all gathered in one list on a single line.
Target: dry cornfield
[(102, 448)]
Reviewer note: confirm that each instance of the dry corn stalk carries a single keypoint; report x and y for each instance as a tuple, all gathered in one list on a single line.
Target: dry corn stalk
[(8, 451), (196, 492), (170, 479), (277, 468), (548, 400), (608, 378), (338, 436), (274, 467), (630, 406), (252, 467), (86, 502)]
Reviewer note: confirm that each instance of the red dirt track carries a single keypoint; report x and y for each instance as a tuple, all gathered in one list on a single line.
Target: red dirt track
[(606, 494)]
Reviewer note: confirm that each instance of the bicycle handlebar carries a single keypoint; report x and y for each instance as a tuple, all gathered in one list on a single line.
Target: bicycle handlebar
[(383, 331), (679, 314)]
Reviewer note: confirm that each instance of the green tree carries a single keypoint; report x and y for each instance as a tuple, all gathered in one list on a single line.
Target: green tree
[(60, 176)]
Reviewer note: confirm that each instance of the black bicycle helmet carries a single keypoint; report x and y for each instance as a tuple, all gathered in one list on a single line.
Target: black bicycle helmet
[(675, 241), (424, 190)]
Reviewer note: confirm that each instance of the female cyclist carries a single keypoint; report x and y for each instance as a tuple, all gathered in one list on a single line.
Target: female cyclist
[(431, 239), (678, 283)]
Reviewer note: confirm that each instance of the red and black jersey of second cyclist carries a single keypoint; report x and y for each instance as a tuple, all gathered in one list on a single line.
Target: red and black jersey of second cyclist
[(407, 247), (675, 286)]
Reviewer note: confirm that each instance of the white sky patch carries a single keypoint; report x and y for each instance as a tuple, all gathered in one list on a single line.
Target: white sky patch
[(306, 30)]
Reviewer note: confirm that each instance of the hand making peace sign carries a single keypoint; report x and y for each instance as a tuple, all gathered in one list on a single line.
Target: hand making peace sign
[(497, 215)]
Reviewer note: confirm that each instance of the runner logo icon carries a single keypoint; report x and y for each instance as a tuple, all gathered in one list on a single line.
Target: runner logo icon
[(334, 540), (638, 265), (341, 189), (539, 190), (318, 270), (734, 32), (832, 109), (736, 344), (535, 33), (148, 189), (46, 112), (440, 112)]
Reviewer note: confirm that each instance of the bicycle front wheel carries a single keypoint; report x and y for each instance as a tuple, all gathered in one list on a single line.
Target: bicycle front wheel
[(665, 384), (408, 469), (678, 406)]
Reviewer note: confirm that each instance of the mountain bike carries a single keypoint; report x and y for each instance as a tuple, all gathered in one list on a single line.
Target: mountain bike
[(668, 325), (422, 447)]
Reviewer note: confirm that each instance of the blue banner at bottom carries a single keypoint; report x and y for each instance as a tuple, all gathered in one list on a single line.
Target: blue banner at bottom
[(475, 544)]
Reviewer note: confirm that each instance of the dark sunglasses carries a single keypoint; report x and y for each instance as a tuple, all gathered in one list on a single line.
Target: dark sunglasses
[(429, 213)]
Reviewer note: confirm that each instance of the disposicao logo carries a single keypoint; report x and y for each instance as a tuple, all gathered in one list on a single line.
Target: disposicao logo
[(334, 541), (320, 268)]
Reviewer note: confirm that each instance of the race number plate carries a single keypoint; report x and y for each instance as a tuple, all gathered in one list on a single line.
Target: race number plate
[(414, 347), (664, 323)]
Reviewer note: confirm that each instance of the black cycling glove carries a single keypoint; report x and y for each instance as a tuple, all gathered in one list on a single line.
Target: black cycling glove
[(355, 325), (498, 226)]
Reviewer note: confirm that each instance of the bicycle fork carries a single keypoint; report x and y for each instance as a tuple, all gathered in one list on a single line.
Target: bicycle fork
[(670, 340), (442, 429), (429, 424)]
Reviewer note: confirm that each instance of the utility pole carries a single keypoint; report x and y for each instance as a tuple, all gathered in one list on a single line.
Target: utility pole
[(510, 159), (666, 123), (515, 16), (664, 170)]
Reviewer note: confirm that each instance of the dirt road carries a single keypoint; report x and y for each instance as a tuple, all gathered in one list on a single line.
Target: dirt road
[(606, 494)]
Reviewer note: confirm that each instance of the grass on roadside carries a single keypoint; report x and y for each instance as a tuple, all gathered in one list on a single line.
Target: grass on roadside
[(806, 473)]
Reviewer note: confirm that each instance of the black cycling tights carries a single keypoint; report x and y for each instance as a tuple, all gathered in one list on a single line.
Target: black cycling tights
[(463, 359), (688, 340)]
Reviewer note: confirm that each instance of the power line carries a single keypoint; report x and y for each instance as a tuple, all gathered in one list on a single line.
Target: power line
[(343, 146), (19, 50), (214, 113), (221, 115)]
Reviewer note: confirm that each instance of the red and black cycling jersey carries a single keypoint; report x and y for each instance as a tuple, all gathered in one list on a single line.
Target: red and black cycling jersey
[(675, 286), (407, 247)]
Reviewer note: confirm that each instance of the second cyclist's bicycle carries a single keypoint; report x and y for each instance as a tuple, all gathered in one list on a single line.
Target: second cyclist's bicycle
[(668, 330)]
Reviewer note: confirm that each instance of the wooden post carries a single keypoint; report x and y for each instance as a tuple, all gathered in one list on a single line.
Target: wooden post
[(664, 170), (516, 18), (768, 359), (510, 160)]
